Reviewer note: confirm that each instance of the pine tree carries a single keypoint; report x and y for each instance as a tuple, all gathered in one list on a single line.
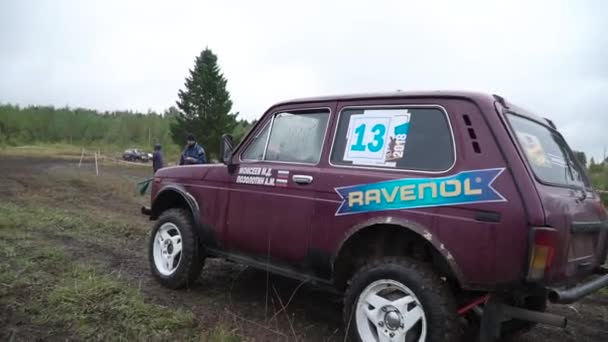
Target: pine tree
[(204, 105)]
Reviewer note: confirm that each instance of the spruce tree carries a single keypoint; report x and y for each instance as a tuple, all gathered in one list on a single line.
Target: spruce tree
[(204, 105)]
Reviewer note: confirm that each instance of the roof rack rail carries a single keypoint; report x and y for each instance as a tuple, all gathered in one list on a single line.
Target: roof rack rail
[(501, 100)]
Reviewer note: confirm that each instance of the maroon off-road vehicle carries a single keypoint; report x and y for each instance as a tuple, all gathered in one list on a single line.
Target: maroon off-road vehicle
[(435, 213)]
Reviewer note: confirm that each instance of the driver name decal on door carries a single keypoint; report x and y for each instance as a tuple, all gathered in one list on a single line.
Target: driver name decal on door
[(255, 176), (265, 176)]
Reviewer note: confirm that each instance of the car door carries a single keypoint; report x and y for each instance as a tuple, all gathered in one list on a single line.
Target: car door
[(273, 192)]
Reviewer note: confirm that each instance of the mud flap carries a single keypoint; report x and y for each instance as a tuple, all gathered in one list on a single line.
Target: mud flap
[(495, 312), (491, 321)]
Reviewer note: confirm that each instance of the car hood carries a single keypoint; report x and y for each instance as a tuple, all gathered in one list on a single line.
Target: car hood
[(185, 171)]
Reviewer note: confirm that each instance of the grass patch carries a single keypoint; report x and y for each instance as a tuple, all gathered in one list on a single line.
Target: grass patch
[(99, 307), (70, 222), (63, 297), (75, 203), (41, 282), (46, 150)]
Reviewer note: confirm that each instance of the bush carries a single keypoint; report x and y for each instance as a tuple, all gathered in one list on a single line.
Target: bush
[(604, 197)]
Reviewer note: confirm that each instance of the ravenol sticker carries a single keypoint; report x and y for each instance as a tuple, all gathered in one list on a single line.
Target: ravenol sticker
[(466, 187)]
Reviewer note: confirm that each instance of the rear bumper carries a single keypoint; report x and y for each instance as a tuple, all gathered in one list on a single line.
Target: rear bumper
[(572, 294)]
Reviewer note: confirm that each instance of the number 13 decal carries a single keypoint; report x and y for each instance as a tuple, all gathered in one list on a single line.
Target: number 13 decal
[(378, 130)]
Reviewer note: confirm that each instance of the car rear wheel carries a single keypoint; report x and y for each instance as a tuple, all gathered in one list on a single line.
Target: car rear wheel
[(174, 252), (399, 299)]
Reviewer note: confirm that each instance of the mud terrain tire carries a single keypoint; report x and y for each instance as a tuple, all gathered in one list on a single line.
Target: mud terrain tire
[(192, 257), (436, 299)]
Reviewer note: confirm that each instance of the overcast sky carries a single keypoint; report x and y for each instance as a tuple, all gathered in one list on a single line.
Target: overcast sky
[(548, 56)]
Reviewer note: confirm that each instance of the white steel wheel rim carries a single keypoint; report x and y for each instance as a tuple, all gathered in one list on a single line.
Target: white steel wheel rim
[(167, 249), (388, 311)]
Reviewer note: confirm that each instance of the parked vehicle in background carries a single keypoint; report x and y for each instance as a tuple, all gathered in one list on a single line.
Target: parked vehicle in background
[(134, 154), (426, 209)]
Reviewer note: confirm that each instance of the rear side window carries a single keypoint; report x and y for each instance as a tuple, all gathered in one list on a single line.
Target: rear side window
[(394, 138), (295, 137), (547, 153)]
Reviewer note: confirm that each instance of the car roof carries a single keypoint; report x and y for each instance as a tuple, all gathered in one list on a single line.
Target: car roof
[(394, 94), (475, 96)]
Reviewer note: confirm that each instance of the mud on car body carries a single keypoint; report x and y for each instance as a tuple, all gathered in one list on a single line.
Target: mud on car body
[(437, 214)]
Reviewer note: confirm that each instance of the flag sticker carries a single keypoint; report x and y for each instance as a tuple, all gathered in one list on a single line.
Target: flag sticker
[(282, 178)]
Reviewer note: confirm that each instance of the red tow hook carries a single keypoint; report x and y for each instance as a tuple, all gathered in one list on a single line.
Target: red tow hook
[(470, 306)]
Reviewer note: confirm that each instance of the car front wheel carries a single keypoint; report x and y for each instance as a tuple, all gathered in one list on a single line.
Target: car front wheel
[(399, 299), (175, 254)]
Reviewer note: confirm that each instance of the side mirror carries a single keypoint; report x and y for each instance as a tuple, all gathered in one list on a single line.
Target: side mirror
[(226, 146)]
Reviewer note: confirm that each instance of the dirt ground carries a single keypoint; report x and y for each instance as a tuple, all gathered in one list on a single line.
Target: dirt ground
[(247, 303)]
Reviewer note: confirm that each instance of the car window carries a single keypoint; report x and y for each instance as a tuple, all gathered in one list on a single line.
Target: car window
[(547, 153), (295, 137), (396, 138), (255, 150)]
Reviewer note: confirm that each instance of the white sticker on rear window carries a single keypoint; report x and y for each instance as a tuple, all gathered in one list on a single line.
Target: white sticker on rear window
[(533, 149), (377, 137)]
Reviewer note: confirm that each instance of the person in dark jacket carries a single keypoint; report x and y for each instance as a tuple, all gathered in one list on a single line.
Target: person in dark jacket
[(157, 158), (193, 153)]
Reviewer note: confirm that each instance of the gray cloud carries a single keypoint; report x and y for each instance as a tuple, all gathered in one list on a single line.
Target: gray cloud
[(549, 56)]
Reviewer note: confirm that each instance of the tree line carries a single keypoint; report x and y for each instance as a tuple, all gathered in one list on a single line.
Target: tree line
[(204, 109), (87, 127)]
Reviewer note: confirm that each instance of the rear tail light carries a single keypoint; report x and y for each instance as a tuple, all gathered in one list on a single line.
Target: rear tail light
[(541, 252)]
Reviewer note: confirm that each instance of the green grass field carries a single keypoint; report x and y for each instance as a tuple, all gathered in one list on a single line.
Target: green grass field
[(53, 289), (51, 223)]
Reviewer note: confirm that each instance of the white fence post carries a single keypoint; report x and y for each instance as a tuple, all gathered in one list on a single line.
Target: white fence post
[(81, 156), (96, 168)]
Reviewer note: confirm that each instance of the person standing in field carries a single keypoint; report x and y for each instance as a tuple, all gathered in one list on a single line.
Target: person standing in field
[(193, 153), (157, 158)]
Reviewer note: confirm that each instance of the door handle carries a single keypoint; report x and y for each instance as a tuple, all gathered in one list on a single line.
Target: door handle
[(487, 216), (302, 179)]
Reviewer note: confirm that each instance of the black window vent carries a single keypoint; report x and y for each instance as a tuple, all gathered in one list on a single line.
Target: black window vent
[(472, 134)]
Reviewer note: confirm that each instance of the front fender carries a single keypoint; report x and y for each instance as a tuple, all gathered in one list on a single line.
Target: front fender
[(168, 196)]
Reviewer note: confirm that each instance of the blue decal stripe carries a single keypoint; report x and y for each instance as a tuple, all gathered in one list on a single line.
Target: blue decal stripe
[(466, 187)]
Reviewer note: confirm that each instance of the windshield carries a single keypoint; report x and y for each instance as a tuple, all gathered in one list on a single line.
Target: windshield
[(547, 153)]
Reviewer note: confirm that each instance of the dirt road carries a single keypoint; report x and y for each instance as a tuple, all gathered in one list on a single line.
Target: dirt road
[(93, 222)]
